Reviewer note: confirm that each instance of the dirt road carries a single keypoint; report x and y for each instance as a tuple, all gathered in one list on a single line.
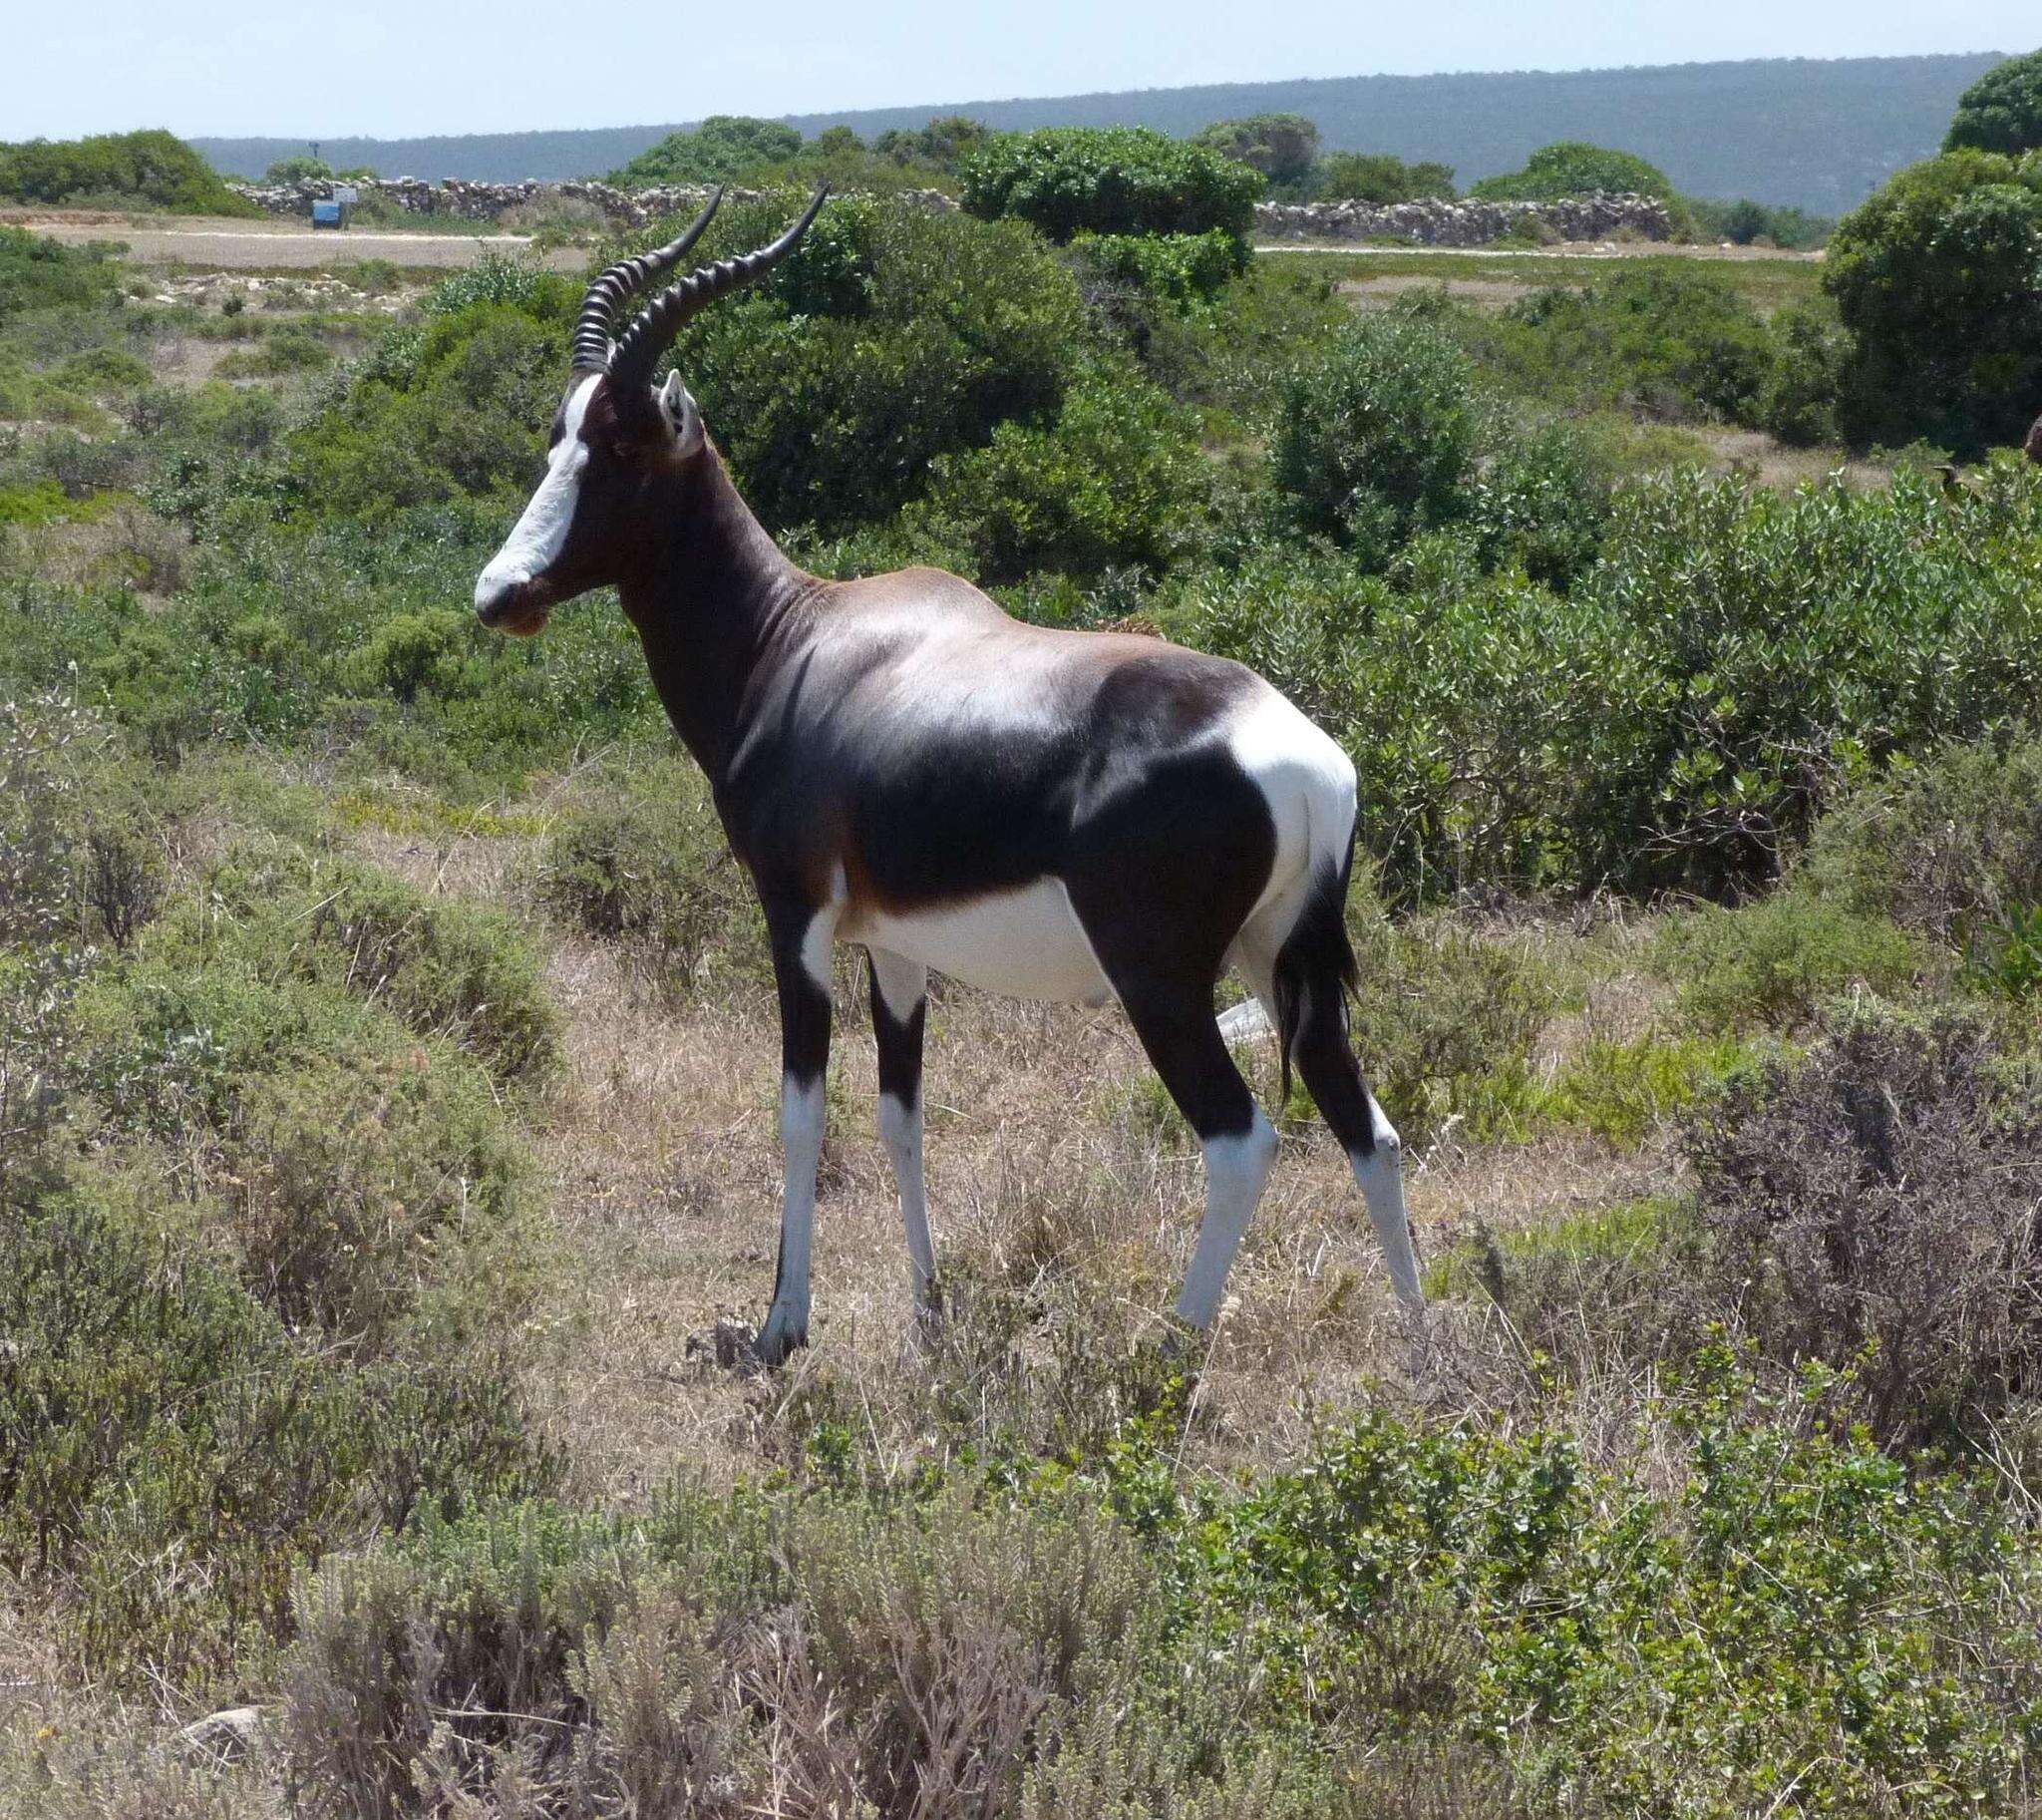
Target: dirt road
[(221, 244)]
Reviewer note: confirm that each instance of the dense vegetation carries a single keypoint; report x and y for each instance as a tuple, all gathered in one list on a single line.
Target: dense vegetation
[(2001, 111), (1574, 168), (349, 953), (1936, 279), (152, 169)]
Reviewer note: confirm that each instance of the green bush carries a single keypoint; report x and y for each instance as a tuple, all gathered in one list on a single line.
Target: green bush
[(37, 273), (1541, 502), (1365, 176), (1571, 167), (1776, 962), (1934, 276), (1180, 269), (152, 169), (1801, 399), (1375, 433), (638, 858), (1666, 342), (171, 1456), (2001, 111), (1067, 180), (1439, 1012), (1951, 847), (459, 407), (1115, 482), (1746, 223), (939, 329), (444, 969), (724, 149), (1283, 147)]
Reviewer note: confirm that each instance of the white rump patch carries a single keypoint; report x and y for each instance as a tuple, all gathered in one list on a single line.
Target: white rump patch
[(537, 540), (1027, 943), (1308, 783)]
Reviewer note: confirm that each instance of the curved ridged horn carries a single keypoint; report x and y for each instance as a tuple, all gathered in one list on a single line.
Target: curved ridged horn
[(591, 351), (655, 326)]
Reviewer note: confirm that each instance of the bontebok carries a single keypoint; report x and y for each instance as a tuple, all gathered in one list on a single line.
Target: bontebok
[(902, 767)]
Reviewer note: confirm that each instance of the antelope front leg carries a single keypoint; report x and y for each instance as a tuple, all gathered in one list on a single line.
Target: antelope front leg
[(899, 1009), (800, 969)]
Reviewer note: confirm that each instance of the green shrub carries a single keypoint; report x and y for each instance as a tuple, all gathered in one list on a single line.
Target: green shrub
[(1776, 962), (1439, 1011), (1541, 504), (639, 858), (1934, 276), (724, 149), (1179, 269), (1746, 223), (443, 968), (1801, 400), (1951, 846), (1282, 147), (1365, 176), (1617, 1091), (171, 1457), (2001, 111), (1671, 344), (1375, 434), (1117, 481), (1571, 167), (1067, 180), (37, 273), (940, 329), (152, 169)]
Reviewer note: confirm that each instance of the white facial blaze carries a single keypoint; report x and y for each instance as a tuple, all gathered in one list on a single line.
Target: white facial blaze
[(536, 541)]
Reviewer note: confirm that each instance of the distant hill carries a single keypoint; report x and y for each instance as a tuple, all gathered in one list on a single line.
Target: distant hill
[(1820, 135)]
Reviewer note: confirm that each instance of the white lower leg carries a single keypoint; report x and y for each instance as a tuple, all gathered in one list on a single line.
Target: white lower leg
[(1237, 1168), (901, 1130), (1381, 1175), (802, 1117)]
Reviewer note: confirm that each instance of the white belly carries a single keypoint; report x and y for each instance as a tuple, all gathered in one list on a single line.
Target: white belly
[(1027, 943)]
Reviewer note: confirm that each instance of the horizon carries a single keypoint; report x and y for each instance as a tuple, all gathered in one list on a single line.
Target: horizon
[(459, 68), (965, 107)]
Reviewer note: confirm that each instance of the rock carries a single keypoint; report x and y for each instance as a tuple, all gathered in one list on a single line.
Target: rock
[(476, 202), (1437, 221), (226, 1735)]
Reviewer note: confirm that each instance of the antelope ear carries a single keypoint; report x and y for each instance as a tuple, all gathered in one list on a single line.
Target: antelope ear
[(682, 417)]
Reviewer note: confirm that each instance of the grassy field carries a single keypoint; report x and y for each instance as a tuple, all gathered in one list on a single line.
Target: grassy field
[(389, 1067)]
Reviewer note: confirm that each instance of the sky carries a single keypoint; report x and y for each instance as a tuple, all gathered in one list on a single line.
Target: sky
[(387, 68)]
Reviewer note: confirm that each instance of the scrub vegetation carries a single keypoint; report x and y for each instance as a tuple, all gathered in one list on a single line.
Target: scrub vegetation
[(387, 1059)]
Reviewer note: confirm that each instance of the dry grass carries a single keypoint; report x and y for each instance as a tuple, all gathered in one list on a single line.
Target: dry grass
[(1053, 1170)]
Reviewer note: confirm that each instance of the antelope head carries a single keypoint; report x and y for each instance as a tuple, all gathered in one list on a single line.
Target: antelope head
[(616, 439)]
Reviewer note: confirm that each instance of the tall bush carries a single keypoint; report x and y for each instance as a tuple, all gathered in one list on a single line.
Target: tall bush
[(1110, 179), (2001, 111), (1375, 433), (1938, 276)]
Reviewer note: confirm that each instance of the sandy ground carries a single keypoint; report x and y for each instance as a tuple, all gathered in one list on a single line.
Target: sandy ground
[(259, 244), (262, 245), (1566, 250)]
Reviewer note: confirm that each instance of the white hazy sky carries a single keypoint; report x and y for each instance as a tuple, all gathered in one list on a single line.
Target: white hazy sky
[(405, 66)]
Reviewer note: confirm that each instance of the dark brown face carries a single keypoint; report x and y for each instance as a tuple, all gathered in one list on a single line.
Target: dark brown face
[(601, 466)]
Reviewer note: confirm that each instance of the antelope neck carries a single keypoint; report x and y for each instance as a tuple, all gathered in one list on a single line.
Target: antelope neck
[(713, 598)]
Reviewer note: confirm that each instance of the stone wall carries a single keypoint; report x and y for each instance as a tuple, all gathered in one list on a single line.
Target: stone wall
[(491, 201), (1437, 222), (1427, 223)]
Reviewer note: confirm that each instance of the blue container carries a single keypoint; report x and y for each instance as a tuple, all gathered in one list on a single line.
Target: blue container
[(326, 215)]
